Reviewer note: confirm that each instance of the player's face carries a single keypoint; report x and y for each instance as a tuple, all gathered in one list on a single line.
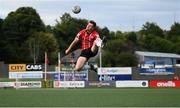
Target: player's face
[(90, 27)]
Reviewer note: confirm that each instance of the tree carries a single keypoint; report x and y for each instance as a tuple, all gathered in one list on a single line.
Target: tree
[(115, 52), (1, 34), (105, 34), (66, 29), (38, 43), (132, 37), (123, 59), (177, 48), (116, 35), (126, 59), (152, 29), (22, 23), (105, 31), (49, 29), (108, 59), (1, 40), (153, 43), (174, 32), (17, 28), (1, 22)]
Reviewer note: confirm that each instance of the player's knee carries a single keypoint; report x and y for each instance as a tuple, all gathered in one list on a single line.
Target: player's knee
[(77, 68)]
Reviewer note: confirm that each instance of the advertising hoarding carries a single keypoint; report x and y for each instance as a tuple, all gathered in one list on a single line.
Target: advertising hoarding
[(6, 84), (105, 84), (24, 67), (17, 67), (25, 71), (69, 84), (14, 75), (114, 73), (114, 77), (132, 83), (28, 84), (164, 83), (157, 71), (70, 76)]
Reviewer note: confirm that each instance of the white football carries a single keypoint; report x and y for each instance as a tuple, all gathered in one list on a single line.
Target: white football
[(76, 9)]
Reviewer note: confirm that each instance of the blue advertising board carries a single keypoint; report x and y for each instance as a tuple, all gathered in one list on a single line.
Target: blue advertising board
[(114, 73), (157, 71), (114, 77)]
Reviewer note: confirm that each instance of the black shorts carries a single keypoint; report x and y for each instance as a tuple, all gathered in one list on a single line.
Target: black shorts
[(88, 53)]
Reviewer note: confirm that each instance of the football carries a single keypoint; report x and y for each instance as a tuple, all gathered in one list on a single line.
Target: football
[(76, 9)]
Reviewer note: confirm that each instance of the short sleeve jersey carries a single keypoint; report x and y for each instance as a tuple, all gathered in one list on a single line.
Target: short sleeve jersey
[(87, 40)]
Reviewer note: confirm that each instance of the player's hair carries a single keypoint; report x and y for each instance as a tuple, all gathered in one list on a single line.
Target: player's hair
[(93, 22)]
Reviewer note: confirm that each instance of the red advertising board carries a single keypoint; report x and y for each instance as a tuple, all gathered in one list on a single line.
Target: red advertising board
[(165, 83)]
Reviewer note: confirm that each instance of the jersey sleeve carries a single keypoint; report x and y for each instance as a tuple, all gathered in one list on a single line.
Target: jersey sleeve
[(79, 35)]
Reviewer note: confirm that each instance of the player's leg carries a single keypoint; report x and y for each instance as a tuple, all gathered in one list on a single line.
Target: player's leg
[(80, 63), (94, 48), (97, 43)]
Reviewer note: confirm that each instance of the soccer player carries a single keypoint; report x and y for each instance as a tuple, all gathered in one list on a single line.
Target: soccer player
[(90, 41)]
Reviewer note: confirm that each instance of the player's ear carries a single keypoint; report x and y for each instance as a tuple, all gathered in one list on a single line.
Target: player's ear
[(93, 27)]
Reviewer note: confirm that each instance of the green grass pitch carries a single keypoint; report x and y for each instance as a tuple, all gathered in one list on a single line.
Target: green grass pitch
[(95, 97)]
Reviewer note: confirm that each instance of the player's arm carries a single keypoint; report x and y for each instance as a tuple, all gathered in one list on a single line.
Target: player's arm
[(74, 42)]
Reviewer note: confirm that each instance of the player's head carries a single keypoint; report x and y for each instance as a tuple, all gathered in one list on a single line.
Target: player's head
[(91, 26)]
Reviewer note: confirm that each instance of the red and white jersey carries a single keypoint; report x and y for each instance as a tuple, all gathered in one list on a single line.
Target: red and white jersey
[(87, 39)]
